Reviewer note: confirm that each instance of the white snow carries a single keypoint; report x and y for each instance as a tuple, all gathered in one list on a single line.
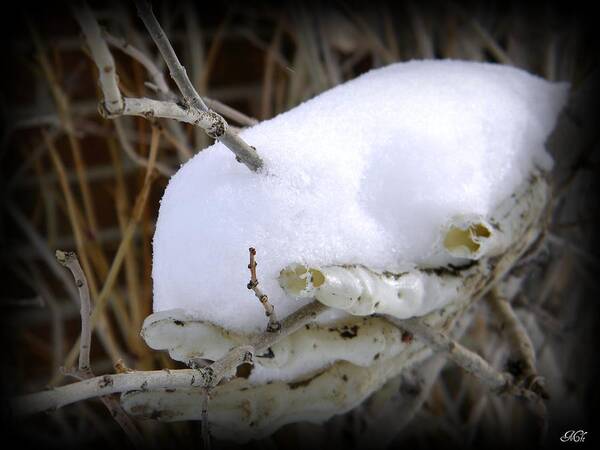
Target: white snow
[(367, 172)]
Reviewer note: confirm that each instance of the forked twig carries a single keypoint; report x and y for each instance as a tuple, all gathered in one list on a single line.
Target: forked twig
[(243, 152), (194, 111)]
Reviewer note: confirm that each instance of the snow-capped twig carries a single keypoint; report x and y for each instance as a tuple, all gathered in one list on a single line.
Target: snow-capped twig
[(274, 324), (520, 343), (160, 379), (71, 262), (244, 153)]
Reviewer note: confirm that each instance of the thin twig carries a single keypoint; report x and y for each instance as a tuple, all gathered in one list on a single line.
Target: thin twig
[(228, 111), (106, 336), (113, 101), (274, 324), (155, 73), (160, 85), (70, 261), (84, 372), (205, 423), (520, 343), (415, 386), (115, 267), (197, 113), (499, 382), (465, 358), (241, 149)]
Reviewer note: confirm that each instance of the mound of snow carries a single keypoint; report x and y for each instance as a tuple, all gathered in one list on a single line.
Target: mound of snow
[(365, 173)]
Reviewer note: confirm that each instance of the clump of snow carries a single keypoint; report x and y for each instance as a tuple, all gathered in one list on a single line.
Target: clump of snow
[(368, 173)]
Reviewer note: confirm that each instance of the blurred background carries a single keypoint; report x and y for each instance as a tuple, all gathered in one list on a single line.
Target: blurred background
[(70, 180)]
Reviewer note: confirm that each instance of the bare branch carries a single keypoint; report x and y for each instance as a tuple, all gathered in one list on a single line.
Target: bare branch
[(465, 358), (159, 82), (70, 261), (209, 121), (205, 424), (274, 324), (113, 101), (159, 379), (520, 343), (155, 73), (244, 153), (142, 197), (230, 112), (176, 70)]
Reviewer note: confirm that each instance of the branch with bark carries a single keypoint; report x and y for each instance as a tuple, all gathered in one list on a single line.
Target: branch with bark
[(84, 371), (205, 377), (195, 111), (524, 361), (499, 382), (273, 324)]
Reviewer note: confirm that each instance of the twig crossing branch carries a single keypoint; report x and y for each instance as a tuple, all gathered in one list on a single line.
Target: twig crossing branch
[(194, 111), (243, 152)]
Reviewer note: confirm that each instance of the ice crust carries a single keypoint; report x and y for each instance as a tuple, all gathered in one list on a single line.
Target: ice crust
[(366, 173)]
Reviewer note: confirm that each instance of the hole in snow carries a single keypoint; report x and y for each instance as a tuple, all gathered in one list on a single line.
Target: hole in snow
[(317, 278), (299, 280), (469, 238)]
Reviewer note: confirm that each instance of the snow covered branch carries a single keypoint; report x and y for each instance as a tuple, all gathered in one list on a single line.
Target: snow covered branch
[(160, 379)]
